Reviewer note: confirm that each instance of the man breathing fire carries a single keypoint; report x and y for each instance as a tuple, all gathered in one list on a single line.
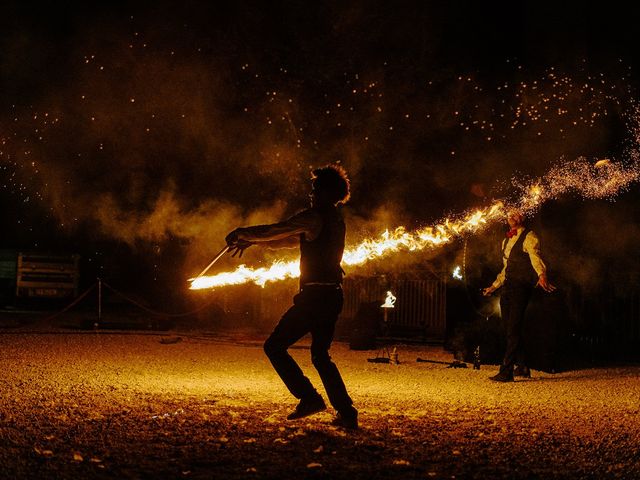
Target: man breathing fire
[(522, 270)]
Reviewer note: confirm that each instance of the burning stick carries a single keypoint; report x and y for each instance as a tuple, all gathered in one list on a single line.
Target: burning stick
[(217, 257), (383, 355), (389, 302)]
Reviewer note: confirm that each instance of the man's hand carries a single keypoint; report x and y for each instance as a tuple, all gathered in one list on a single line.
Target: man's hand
[(233, 238), (236, 244), (544, 284), (488, 291), (239, 247)]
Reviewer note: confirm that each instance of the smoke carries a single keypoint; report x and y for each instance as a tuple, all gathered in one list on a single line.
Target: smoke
[(591, 244), (154, 131)]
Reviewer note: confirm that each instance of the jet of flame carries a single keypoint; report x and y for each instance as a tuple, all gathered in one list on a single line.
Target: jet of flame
[(605, 179), (369, 249)]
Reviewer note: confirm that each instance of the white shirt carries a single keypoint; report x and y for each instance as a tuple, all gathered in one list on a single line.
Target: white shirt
[(530, 245)]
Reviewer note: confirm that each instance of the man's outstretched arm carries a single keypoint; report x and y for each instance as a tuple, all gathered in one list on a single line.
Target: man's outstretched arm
[(277, 235)]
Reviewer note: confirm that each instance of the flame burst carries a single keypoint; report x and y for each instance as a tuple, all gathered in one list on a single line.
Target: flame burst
[(604, 179)]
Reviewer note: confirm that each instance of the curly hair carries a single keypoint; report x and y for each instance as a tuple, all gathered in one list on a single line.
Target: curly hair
[(332, 180)]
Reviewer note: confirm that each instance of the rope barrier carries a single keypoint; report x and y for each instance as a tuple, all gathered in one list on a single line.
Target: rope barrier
[(156, 312), (128, 299), (72, 304)]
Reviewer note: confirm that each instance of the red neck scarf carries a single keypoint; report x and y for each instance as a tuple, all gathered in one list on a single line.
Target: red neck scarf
[(512, 233)]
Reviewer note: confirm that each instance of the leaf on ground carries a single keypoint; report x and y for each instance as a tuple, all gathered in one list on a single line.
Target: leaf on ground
[(401, 462), (314, 465), (77, 457), (44, 453)]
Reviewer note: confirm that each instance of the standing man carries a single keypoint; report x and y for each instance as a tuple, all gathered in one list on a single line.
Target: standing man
[(319, 231), (523, 269)]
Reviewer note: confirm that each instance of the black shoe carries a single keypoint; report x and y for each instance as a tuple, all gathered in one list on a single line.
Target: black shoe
[(308, 407), (522, 371), (346, 419), (502, 377)]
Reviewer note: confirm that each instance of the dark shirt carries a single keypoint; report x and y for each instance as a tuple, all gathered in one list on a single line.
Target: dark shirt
[(319, 232)]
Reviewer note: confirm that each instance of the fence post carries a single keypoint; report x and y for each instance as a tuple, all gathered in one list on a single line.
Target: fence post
[(99, 301)]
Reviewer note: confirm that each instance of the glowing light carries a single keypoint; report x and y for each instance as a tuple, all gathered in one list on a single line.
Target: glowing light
[(389, 301), (456, 273)]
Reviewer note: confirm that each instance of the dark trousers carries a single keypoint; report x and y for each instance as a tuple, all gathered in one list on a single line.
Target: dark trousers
[(513, 304), (315, 310)]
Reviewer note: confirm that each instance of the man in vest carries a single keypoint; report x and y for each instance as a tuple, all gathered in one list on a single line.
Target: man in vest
[(523, 269), (319, 231)]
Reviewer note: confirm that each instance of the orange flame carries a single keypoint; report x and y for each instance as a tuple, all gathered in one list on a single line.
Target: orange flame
[(604, 179), (457, 274), (390, 301), (369, 249)]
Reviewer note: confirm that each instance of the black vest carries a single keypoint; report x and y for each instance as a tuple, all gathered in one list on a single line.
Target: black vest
[(320, 258), (519, 269)]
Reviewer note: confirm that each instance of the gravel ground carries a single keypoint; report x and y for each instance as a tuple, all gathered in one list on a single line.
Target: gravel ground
[(123, 405)]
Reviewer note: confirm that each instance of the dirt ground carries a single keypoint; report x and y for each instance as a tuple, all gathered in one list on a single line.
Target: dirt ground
[(138, 405)]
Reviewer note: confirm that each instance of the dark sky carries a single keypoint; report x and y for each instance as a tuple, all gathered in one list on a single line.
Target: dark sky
[(151, 123)]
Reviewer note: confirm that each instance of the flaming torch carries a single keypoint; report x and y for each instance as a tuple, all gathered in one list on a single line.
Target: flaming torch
[(456, 273), (383, 355), (389, 301)]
